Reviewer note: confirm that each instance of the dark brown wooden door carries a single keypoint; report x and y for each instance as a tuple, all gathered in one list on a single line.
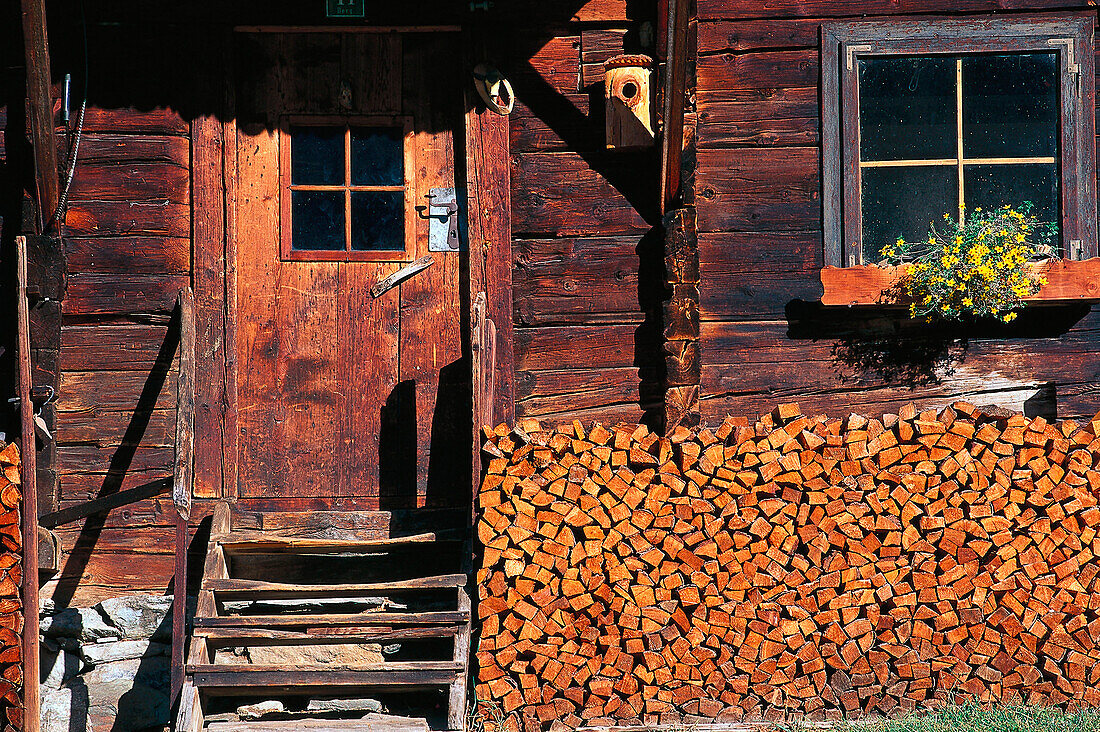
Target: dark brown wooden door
[(346, 400)]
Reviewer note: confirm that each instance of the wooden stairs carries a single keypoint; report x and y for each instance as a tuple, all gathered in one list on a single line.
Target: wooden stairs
[(316, 605)]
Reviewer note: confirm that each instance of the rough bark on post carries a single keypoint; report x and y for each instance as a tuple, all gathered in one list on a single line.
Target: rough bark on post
[(681, 321)]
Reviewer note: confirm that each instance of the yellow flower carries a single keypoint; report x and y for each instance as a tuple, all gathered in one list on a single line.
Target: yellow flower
[(1010, 317)]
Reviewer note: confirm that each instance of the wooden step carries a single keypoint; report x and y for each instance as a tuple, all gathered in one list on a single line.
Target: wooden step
[(220, 637), (451, 617), (260, 590), (309, 679), (368, 723), (258, 542)]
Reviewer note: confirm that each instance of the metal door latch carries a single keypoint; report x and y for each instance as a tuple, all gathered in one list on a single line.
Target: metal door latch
[(443, 225)]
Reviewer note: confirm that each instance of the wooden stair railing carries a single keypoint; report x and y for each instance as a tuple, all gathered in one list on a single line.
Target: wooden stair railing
[(255, 582)]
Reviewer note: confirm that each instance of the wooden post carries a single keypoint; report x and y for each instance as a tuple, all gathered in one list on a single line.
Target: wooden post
[(672, 139), (681, 321), (40, 102), (30, 500), (182, 479)]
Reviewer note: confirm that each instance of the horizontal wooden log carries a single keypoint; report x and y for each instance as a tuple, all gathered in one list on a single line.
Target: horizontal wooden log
[(114, 121), (100, 460), (132, 255), (548, 392), (730, 72), (767, 117), (576, 280), (759, 190), (732, 10), (115, 294), (99, 148), (115, 347), (110, 428), (155, 183), (118, 391), (754, 35), (563, 194), (121, 218), (584, 347), (332, 620)]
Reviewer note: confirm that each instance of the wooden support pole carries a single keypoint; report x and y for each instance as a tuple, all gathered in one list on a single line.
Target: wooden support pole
[(37, 55), (30, 499), (182, 480), (672, 139)]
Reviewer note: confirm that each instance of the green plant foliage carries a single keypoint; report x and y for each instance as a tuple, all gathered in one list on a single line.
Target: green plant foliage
[(973, 717), (974, 268)]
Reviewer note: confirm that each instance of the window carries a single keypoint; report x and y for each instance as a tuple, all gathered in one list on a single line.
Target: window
[(344, 189), (929, 117)]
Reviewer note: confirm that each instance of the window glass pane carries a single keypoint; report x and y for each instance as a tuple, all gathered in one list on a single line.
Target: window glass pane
[(378, 220), (317, 155), (377, 156), (907, 108), (317, 220), (1010, 105), (993, 186), (904, 202)]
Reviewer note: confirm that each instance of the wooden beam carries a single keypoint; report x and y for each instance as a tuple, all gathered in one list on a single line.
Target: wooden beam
[(672, 139), (105, 503), (30, 497), (182, 479), (40, 101)]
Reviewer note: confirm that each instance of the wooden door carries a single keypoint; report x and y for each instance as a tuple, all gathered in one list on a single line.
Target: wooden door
[(347, 400)]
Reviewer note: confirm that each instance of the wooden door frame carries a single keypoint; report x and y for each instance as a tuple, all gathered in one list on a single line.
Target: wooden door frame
[(214, 252)]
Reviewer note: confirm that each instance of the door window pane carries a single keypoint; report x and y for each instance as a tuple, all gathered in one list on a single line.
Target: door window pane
[(377, 156), (904, 203), (1010, 105), (317, 220), (317, 156), (907, 108), (378, 220)]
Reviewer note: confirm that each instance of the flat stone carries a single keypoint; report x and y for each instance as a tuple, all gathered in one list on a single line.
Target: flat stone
[(139, 616), (344, 705), (346, 655), (63, 710), (83, 623), (123, 696), (154, 672), (101, 653), (259, 709), (56, 665)]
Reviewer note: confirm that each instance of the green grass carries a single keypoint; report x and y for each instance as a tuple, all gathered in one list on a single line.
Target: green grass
[(972, 717)]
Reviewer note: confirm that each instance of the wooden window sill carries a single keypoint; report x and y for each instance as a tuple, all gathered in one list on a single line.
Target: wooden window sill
[(1067, 280)]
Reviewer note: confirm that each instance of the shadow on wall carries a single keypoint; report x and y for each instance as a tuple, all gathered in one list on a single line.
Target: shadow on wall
[(108, 667), (886, 346)]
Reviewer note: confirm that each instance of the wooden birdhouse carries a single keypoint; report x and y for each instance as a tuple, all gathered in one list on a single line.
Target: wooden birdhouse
[(628, 96)]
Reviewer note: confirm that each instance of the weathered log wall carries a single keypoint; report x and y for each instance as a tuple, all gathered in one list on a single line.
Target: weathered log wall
[(127, 252), (758, 193), (588, 273), (11, 599), (796, 567)]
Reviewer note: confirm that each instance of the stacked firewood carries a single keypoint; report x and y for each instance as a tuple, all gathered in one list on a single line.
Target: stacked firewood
[(11, 606), (792, 567)]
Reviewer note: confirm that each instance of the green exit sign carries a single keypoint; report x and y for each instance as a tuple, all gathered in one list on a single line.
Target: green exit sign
[(345, 8)]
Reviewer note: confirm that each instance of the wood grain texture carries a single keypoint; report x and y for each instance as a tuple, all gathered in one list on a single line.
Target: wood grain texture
[(585, 347), (560, 194), (576, 280), (734, 10), (759, 190)]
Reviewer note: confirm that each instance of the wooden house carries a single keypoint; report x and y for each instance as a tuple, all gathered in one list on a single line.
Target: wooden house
[(380, 264)]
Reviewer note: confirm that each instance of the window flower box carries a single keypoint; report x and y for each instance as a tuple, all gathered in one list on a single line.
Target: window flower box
[(1067, 280)]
